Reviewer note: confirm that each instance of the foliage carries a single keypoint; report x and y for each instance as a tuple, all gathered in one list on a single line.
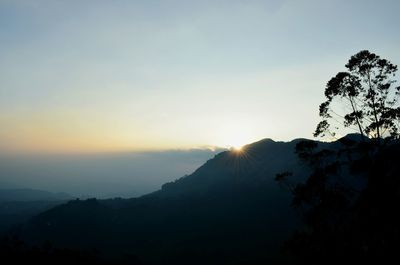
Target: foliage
[(366, 96), (350, 200)]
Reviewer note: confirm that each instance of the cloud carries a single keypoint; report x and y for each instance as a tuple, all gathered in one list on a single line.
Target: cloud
[(101, 175)]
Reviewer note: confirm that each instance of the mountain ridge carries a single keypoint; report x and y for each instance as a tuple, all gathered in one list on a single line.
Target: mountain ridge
[(232, 200)]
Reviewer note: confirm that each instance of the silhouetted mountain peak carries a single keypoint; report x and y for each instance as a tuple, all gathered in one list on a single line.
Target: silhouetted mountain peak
[(255, 164), (252, 166), (260, 142), (234, 193), (356, 137)]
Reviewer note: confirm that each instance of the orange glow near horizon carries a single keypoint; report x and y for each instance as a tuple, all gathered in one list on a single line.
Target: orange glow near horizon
[(82, 132)]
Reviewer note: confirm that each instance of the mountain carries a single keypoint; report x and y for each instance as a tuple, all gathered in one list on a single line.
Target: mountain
[(25, 195), (229, 211), (255, 165)]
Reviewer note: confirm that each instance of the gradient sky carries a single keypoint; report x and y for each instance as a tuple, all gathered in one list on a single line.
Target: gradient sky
[(89, 76)]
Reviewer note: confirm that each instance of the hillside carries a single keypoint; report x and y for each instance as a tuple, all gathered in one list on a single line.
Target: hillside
[(228, 209)]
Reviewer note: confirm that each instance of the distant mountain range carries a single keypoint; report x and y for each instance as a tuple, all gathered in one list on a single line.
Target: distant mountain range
[(101, 175), (228, 209), (25, 195)]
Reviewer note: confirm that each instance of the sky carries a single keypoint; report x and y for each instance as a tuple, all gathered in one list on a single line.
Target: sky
[(117, 76)]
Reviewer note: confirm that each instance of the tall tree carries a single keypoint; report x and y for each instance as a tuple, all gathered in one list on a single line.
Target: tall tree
[(350, 200), (364, 96)]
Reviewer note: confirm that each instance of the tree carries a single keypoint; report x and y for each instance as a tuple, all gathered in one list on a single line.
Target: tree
[(364, 96), (349, 202)]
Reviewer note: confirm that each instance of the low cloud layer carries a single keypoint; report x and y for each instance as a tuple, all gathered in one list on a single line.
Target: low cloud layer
[(101, 175)]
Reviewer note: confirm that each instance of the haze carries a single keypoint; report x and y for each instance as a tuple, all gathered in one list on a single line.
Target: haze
[(100, 175)]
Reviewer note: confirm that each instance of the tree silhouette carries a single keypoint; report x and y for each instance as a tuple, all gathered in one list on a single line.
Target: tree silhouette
[(350, 200), (364, 96)]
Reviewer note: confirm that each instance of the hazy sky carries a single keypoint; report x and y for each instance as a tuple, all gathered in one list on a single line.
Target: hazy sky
[(79, 76)]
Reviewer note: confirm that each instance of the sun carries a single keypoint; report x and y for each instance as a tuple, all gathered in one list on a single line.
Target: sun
[(237, 148), (235, 135), (238, 140)]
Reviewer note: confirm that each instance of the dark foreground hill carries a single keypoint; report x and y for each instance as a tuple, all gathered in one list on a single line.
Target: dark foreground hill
[(229, 211)]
